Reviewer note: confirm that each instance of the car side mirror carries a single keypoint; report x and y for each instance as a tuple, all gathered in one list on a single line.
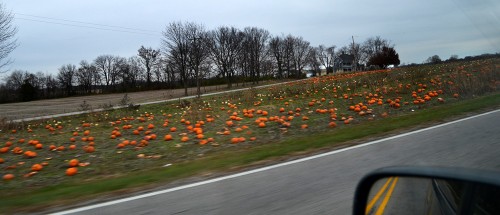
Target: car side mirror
[(428, 190)]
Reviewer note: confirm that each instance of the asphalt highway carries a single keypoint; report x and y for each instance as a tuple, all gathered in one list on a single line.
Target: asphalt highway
[(323, 184)]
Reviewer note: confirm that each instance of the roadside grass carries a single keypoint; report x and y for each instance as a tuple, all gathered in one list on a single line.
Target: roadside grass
[(223, 162)]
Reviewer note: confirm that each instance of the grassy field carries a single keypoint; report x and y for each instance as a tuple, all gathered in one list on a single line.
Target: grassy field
[(131, 149)]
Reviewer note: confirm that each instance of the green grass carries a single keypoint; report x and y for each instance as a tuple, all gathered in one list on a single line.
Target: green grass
[(233, 159)]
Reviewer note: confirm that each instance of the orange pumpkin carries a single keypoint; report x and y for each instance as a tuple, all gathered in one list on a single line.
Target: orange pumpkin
[(4, 149), (89, 149), (203, 142), (36, 167), (167, 137), (235, 140), (71, 171), (73, 162), (17, 150), (8, 177), (30, 154)]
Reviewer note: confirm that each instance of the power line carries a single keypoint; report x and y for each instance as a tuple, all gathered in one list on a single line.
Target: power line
[(89, 25)]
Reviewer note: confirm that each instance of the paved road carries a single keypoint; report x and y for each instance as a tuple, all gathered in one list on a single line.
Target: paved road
[(325, 184)]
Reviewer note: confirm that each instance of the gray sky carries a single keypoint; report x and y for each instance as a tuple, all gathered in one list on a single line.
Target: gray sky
[(418, 28)]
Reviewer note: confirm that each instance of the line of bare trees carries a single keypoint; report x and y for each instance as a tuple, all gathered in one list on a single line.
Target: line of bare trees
[(190, 55)]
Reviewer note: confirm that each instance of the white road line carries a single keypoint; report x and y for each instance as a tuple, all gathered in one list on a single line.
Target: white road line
[(146, 195)]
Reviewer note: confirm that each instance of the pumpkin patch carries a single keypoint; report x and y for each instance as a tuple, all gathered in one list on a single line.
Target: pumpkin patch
[(110, 143)]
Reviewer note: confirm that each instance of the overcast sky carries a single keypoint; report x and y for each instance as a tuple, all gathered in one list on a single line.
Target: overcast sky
[(56, 32)]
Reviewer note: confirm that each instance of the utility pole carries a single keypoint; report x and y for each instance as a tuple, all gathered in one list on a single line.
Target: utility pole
[(354, 53)]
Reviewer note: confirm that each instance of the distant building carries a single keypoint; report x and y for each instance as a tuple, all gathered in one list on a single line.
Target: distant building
[(344, 63)]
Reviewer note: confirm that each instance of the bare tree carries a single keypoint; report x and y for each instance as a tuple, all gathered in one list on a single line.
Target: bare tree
[(159, 76), (117, 63), (16, 79), (373, 46), (277, 50), (166, 66), (7, 33), (29, 88), (104, 64), (326, 56), (133, 73), (255, 50), (24, 84), (66, 77), (225, 44), (39, 83), (109, 67), (289, 43), (198, 52), (176, 45), (314, 60), (301, 51), (85, 76), (149, 58), (51, 85)]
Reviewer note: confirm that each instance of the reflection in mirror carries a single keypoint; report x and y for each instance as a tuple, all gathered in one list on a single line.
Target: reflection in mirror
[(407, 195)]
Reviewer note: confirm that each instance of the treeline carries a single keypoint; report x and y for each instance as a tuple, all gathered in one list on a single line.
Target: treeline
[(189, 56), (435, 59)]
